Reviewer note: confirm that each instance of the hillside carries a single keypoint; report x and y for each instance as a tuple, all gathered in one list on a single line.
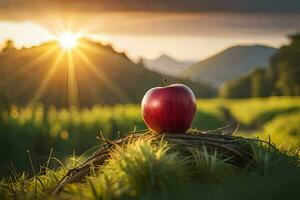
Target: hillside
[(167, 65), (88, 75), (229, 64), (280, 78)]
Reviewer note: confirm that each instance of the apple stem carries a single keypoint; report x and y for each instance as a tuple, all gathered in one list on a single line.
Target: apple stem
[(165, 81)]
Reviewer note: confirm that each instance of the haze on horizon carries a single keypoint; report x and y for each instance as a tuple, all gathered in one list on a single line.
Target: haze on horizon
[(189, 30)]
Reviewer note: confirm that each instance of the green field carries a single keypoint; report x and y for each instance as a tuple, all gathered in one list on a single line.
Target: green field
[(70, 133), (39, 129), (144, 170)]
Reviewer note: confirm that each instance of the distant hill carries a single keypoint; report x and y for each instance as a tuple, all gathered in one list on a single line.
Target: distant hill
[(164, 64), (92, 74), (230, 64)]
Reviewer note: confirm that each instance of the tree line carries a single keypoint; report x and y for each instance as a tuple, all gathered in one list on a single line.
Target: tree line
[(280, 78)]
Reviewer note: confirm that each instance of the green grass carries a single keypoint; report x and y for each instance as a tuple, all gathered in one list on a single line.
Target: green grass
[(283, 130), (143, 170), (258, 111), (39, 129)]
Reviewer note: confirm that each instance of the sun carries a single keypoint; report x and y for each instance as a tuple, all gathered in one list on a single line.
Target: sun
[(67, 41)]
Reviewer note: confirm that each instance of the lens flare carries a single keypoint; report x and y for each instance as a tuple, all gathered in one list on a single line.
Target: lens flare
[(67, 41)]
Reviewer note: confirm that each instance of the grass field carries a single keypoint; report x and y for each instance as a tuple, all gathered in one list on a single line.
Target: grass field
[(39, 129), (72, 132), (143, 170)]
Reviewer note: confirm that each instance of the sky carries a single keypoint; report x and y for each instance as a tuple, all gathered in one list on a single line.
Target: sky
[(186, 30)]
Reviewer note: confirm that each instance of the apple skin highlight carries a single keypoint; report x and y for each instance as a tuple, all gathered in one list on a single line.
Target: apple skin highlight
[(169, 109)]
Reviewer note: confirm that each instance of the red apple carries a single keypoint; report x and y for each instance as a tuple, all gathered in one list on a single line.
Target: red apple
[(169, 109)]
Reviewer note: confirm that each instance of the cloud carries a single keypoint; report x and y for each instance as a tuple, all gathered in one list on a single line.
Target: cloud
[(160, 17), (193, 24), (207, 24), (153, 5)]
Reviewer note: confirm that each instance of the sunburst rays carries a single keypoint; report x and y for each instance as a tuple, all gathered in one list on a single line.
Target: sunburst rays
[(33, 63), (45, 82), (73, 93), (102, 77), (69, 57)]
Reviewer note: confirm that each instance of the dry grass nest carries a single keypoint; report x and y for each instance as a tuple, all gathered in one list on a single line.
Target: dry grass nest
[(222, 140)]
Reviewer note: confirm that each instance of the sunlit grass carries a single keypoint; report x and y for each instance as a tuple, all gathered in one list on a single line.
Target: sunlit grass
[(257, 111), (65, 130), (284, 131), (138, 170), (145, 170), (211, 168)]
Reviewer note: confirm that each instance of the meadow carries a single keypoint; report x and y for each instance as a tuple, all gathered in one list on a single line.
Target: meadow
[(45, 142), (146, 170), (69, 132)]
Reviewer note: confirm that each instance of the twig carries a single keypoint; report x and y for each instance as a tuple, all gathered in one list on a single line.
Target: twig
[(230, 145)]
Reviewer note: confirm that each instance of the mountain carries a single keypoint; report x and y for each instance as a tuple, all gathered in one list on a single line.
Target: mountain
[(90, 74), (164, 64), (230, 64)]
